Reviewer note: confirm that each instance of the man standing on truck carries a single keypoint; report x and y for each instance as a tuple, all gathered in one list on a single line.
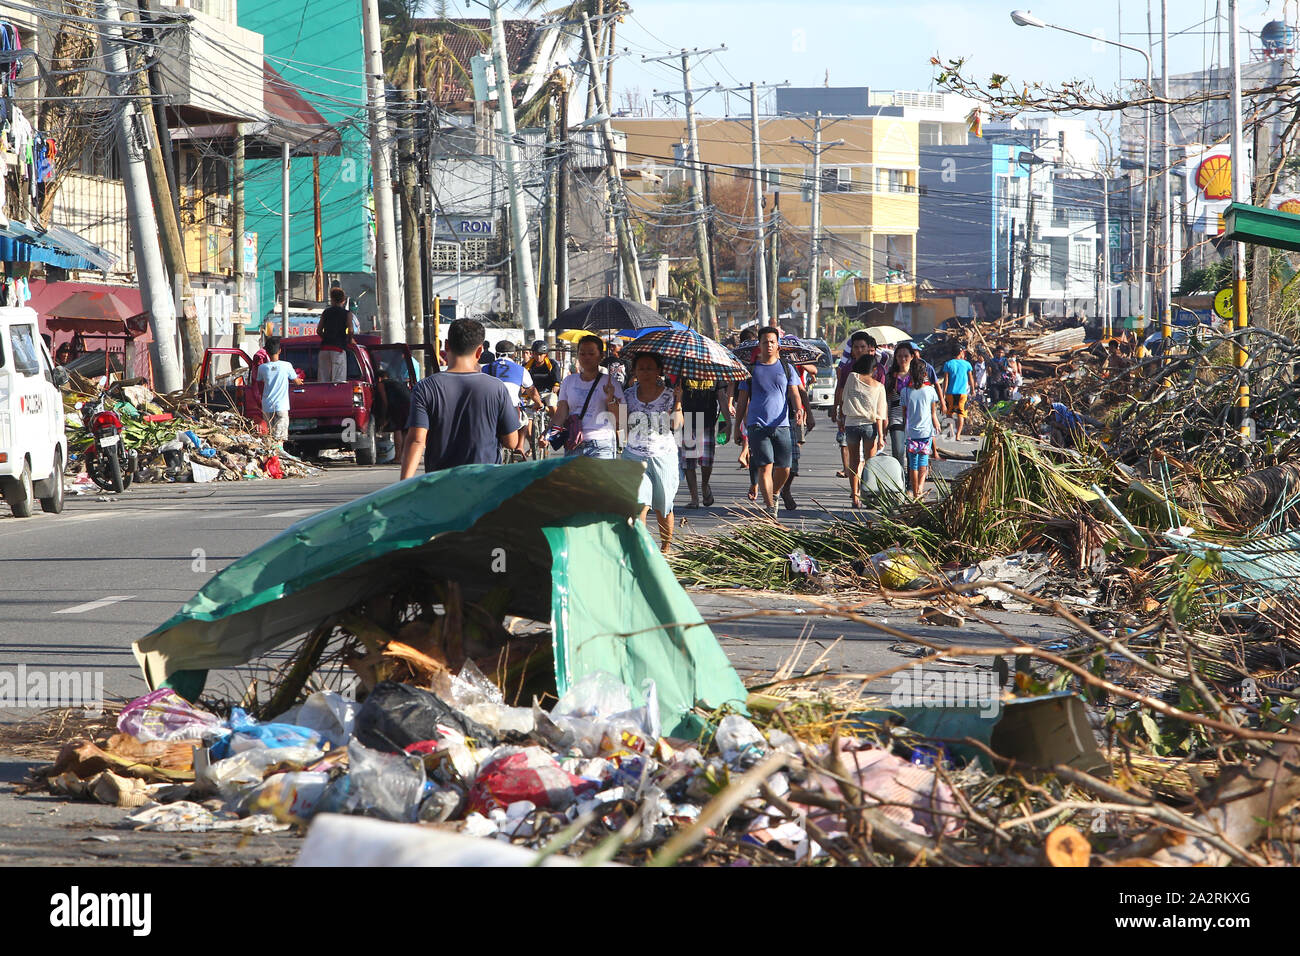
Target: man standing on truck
[(459, 416), (335, 331), (274, 377)]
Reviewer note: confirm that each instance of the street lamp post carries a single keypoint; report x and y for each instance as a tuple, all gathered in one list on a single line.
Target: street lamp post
[(1023, 18)]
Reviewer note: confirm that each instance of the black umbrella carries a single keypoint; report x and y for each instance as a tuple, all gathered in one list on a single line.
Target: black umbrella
[(607, 313)]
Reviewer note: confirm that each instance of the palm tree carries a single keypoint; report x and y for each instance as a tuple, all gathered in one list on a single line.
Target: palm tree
[(602, 32)]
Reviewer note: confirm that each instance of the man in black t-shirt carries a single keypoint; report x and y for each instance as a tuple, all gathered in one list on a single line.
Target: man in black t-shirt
[(335, 331), (460, 416)]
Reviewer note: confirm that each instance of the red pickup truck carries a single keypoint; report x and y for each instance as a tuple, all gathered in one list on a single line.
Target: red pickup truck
[(321, 414)]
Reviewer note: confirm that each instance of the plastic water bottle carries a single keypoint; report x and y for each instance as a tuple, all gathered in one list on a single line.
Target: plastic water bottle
[(722, 430)]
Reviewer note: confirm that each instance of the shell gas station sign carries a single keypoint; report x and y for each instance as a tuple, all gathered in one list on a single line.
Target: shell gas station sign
[(1209, 188)]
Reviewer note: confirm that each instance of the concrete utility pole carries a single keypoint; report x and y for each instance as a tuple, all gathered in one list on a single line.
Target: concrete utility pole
[(760, 247), (617, 195), (694, 164), (237, 232), (284, 238), (387, 282), (1026, 278), (695, 167), (562, 211), (156, 290), (1240, 193), (411, 261), (816, 147), (1166, 212), (525, 282)]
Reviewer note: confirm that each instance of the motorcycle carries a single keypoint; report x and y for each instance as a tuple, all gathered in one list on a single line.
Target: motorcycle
[(109, 463)]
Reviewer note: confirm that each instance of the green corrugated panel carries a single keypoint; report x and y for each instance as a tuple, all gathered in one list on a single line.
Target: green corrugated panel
[(1262, 227), (560, 533)]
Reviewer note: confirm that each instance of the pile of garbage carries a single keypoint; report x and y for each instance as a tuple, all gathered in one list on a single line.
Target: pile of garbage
[(178, 441), (592, 769)]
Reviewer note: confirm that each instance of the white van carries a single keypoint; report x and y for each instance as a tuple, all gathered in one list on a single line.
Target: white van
[(33, 447)]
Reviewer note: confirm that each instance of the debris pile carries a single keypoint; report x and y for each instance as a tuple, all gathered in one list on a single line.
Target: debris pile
[(1164, 544), (178, 440)]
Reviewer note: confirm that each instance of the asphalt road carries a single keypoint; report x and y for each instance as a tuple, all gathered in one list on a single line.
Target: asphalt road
[(79, 587)]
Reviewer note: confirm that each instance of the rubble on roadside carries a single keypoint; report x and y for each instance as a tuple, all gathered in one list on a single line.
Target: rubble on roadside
[(178, 440)]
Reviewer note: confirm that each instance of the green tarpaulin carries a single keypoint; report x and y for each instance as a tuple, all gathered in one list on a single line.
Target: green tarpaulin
[(560, 533)]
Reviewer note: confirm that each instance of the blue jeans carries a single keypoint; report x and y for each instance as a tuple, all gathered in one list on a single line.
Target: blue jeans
[(595, 448), (771, 445)]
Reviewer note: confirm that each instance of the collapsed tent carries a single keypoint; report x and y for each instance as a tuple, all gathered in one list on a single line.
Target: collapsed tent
[(560, 534)]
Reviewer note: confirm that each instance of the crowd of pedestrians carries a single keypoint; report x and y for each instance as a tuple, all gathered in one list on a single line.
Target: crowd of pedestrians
[(886, 410)]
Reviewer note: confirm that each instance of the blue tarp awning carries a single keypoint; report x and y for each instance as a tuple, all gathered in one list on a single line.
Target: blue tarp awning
[(56, 246)]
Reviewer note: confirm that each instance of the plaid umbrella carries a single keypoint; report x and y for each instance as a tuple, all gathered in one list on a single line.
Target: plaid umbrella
[(687, 353), (793, 350)]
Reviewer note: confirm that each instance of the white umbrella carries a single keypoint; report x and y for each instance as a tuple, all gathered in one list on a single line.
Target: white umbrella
[(888, 335)]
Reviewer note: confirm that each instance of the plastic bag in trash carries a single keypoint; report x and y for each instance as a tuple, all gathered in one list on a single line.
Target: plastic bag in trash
[(329, 714), (394, 716), (801, 562), (739, 741), (249, 734), (233, 775), (512, 774), (166, 715), (383, 785), (480, 700), (289, 794), (898, 571), (596, 718)]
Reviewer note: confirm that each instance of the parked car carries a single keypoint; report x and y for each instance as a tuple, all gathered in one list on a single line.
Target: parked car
[(321, 414), (33, 446), (822, 392)]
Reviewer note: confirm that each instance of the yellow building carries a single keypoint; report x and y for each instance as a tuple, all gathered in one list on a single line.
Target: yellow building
[(869, 207)]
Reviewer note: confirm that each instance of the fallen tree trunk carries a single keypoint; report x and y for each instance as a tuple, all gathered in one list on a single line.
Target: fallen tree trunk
[(1251, 498)]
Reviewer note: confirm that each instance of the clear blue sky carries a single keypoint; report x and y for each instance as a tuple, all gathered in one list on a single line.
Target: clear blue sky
[(888, 45)]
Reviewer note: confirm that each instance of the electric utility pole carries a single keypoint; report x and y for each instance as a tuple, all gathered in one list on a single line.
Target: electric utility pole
[(149, 263), (1240, 193), (618, 203), (816, 147), (1166, 212), (760, 246), (387, 283), (525, 281), (695, 166)]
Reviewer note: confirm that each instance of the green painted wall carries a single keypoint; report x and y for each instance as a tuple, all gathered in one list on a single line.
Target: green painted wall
[(316, 45)]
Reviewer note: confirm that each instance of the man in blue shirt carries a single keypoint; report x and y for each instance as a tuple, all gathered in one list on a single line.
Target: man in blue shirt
[(958, 383), (766, 414), (274, 376), (459, 416)]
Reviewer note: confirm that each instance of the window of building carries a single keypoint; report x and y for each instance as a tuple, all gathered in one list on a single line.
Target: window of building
[(1081, 258), (475, 254), (895, 181), (930, 134)]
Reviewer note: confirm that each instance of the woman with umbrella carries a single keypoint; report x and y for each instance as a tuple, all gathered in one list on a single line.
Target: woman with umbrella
[(691, 357), (654, 414)]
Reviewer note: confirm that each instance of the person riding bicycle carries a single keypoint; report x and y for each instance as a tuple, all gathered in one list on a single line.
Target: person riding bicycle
[(545, 373), (518, 382)]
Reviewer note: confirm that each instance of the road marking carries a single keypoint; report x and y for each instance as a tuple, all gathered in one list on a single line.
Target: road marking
[(296, 513), (95, 605)]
